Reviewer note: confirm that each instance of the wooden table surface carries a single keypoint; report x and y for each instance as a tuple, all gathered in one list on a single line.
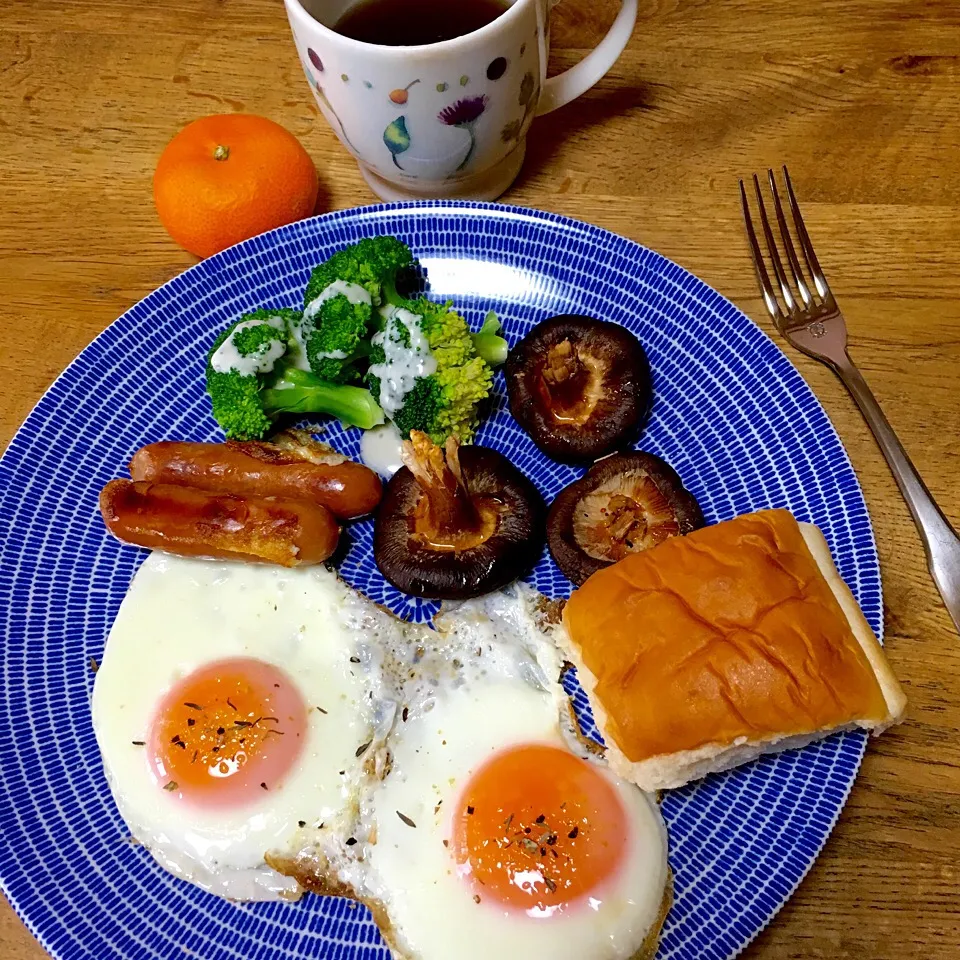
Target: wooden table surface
[(860, 97)]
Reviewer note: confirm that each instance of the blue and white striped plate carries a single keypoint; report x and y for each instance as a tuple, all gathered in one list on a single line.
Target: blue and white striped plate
[(731, 414)]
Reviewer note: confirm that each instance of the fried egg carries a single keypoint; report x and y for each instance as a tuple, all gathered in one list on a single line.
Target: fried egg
[(491, 830), (229, 708), (266, 731)]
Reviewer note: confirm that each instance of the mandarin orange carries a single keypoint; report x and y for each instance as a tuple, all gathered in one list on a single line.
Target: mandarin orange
[(225, 178)]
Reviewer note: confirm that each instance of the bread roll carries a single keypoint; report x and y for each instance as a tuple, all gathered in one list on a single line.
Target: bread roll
[(711, 649)]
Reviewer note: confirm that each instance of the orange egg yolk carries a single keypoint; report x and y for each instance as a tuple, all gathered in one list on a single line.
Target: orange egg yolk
[(227, 733), (537, 827)]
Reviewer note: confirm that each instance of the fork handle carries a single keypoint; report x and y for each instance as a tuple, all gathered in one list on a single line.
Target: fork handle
[(940, 541)]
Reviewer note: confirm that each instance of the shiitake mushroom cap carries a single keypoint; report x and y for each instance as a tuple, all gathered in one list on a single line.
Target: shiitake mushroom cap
[(579, 387), (588, 529), (509, 553)]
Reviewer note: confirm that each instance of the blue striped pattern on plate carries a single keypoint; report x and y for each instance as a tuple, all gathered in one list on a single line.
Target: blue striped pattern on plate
[(731, 414)]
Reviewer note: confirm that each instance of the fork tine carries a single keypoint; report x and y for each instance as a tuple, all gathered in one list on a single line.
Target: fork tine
[(774, 253), (788, 244), (763, 278), (823, 288)]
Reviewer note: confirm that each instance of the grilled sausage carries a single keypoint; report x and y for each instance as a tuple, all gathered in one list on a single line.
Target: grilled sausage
[(197, 523), (254, 469)]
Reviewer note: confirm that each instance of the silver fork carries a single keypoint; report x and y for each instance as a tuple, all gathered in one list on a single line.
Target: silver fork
[(811, 320)]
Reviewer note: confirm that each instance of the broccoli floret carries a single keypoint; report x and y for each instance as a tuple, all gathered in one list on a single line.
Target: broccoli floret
[(251, 379), (237, 406), (368, 263), (421, 406), (261, 337), (444, 403), (256, 335), (333, 330), (464, 378), (332, 345)]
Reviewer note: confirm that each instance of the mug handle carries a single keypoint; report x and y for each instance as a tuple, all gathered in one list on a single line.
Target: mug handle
[(570, 84)]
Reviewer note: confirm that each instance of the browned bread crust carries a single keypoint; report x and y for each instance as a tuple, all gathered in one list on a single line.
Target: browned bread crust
[(736, 640)]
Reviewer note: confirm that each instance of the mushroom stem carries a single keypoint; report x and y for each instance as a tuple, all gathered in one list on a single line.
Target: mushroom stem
[(448, 510), (567, 384), (562, 363), (626, 520)]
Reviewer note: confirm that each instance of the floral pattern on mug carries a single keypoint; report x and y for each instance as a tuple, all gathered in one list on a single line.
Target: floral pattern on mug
[(402, 94), (397, 139), (511, 131), (527, 86), (527, 98), (325, 101), (464, 113), (450, 118)]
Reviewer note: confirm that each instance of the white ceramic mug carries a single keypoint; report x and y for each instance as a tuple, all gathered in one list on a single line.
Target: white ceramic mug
[(445, 119)]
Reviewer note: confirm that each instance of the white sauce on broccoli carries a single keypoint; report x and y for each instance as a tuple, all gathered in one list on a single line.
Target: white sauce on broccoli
[(380, 449), (301, 330), (339, 288), (228, 359), (403, 365), (298, 348), (298, 344)]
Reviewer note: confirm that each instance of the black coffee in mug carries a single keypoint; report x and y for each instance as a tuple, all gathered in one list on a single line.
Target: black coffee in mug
[(401, 23)]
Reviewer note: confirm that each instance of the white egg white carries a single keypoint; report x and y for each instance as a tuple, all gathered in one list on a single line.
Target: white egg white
[(486, 680), (433, 911), (180, 614)]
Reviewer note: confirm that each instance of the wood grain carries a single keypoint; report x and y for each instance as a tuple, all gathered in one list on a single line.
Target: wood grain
[(860, 97)]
